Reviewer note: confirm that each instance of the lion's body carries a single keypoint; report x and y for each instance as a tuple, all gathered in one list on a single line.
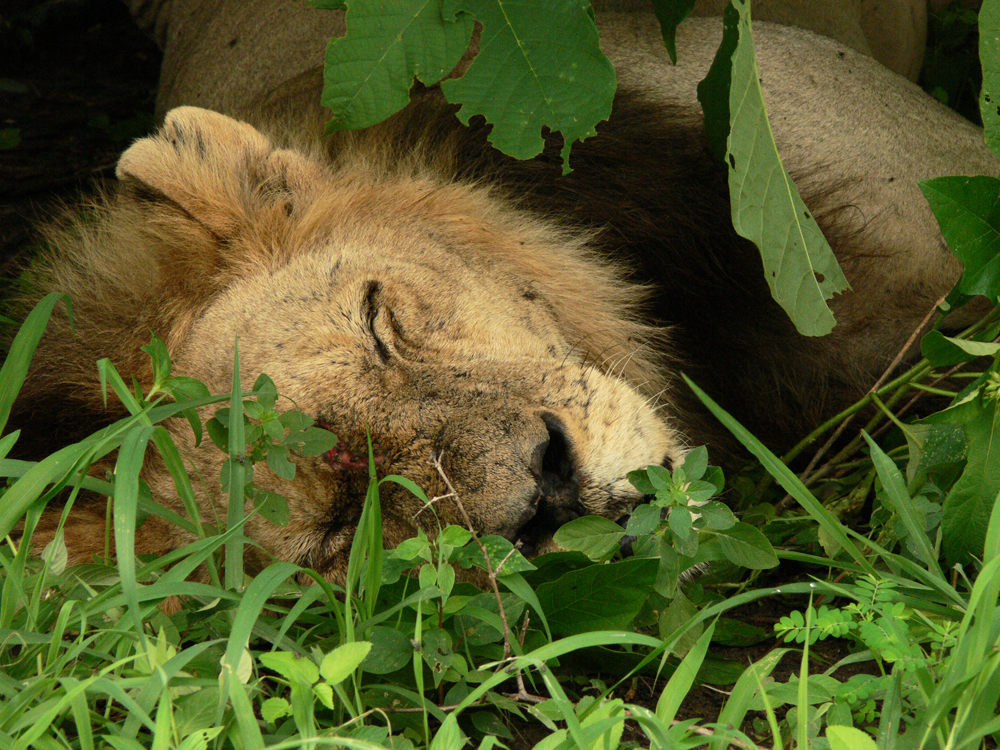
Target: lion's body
[(412, 282)]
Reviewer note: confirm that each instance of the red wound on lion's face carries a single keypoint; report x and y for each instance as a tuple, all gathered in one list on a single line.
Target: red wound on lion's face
[(341, 458)]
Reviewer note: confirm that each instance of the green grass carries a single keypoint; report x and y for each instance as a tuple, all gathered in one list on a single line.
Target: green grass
[(407, 654)]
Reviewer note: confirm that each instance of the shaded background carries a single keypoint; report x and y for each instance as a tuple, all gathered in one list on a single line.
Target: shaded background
[(77, 85)]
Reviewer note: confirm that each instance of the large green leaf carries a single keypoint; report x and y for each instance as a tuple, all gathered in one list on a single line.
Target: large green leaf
[(947, 351), (670, 13), (539, 65), (369, 71), (592, 535), (598, 597), (968, 505), (745, 546), (798, 262), (968, 211), (989, 54)]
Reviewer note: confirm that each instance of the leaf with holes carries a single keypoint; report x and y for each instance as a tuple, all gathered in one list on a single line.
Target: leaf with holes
[(799, 264), (539, 65), (369, 72)]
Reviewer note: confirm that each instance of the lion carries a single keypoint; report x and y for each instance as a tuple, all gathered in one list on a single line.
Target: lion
[(499, 332)]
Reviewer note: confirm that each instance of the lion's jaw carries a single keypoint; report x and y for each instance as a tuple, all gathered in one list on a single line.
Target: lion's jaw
[(459, 374)]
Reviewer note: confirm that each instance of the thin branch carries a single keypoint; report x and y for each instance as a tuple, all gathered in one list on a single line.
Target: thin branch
[(482, 548)]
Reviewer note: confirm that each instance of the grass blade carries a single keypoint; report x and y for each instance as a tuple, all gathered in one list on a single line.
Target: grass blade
[(15, 367), (784, 476)]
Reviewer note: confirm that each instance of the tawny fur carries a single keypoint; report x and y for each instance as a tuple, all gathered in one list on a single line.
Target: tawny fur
[(510, 322), (523, 328)]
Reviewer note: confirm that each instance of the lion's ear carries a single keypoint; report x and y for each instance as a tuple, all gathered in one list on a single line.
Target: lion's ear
[(222, 173)]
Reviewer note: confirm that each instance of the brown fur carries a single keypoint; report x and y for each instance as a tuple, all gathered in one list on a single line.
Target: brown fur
[(442, 320), (524, 329)]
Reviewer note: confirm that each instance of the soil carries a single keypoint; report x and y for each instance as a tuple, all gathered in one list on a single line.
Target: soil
[(77, 84)]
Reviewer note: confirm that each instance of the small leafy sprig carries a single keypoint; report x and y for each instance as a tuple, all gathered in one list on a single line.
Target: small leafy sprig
[(679, 517), (270, 436)]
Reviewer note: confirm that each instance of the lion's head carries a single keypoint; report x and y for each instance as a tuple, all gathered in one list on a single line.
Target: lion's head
[(428, 314)]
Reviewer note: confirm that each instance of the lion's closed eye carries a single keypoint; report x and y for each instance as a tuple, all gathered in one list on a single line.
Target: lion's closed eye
[(371, 308)]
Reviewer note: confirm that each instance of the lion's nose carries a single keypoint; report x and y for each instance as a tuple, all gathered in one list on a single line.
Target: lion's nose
[(554, 470)]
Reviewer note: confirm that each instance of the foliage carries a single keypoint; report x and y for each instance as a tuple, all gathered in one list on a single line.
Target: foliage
[(539, 65), (951, 72), (454, 638), (130, 652), (799, 264)]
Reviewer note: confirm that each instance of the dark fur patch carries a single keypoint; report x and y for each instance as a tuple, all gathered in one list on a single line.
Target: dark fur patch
[(659, 201)]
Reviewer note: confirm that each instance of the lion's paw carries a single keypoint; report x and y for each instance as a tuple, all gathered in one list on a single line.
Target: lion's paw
[(218, 170)]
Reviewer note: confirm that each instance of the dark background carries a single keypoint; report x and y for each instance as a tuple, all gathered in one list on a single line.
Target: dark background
[(78, 80), (77, 85)]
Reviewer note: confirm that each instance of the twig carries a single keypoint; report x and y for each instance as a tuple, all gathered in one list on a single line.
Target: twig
[(482, 548), (808, 475), (709, 733)]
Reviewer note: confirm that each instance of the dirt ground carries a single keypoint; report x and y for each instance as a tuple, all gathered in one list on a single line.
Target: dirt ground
[(77, 83)]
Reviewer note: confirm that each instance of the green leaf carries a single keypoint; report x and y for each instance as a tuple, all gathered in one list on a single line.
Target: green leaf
[(682, 680), (849, 738), (989, 54), (932, 445), (15, 366), (291, 667), (640, 480), (390, 650), (799, 264), (968, 211), (274, 708), (594, 536), (295, 420), (271, 506), (968, 505), (218, 432), (670, 13), (313, 441), (902, 505), (680, 522), (157, 351), (478, 622), (274, 429), (369, 72), (277, 460), (717, 516), (745, 546), (266, 390), (340, 663), (448, 737), (253, 409), (454, 536), (499, 549), (660, 478), (944, 351), (598, 597), (699, 492), (539, 65), (695, 463), (645, 519)]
